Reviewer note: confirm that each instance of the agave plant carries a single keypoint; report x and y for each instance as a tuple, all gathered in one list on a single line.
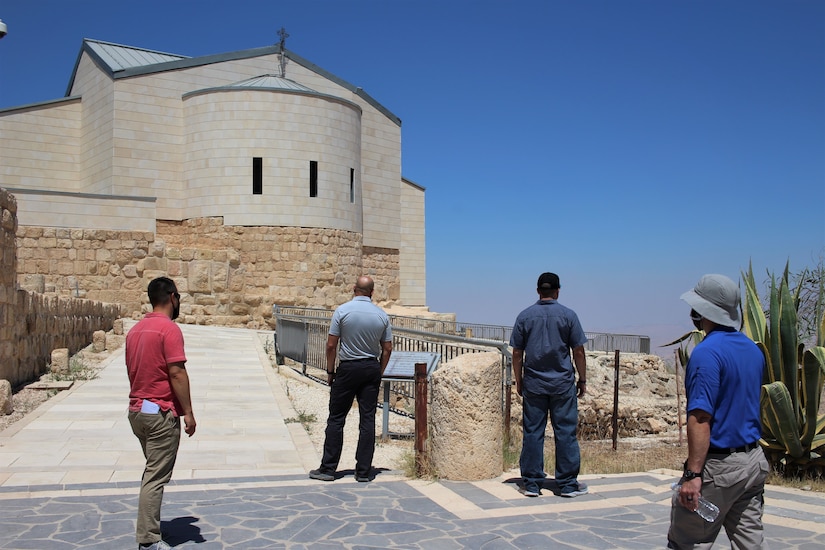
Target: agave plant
[(793, 431)]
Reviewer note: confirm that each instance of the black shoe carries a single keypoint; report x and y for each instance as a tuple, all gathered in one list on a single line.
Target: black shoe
[(321, 476), (362, 479)]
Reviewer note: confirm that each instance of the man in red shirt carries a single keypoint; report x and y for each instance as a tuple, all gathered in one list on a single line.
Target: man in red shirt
[(158, 397)]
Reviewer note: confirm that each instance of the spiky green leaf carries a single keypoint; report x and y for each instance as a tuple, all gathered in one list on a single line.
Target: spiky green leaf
[(754, 319), (789, 336), (813, 376), (779, 420)]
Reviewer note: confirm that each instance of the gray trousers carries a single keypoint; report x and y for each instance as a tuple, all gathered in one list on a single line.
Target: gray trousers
[(736, 484), (159, 436)]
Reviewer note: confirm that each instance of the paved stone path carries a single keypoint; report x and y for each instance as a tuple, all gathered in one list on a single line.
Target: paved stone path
[(69, 479)]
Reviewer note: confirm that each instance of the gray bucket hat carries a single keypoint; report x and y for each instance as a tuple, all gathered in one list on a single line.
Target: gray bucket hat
[(716, 298)]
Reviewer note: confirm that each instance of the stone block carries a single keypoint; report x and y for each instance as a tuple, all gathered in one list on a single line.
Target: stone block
[(60, 361), (465, 418), (200, 276), (6, 401), (99, 341), (117, 327)]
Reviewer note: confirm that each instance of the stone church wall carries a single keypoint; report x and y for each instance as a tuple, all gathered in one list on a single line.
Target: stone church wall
[(33, 324), (227, 275)]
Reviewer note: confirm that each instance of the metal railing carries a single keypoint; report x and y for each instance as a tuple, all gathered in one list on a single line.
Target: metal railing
[(596, 341), (303, 338), (301, 335)]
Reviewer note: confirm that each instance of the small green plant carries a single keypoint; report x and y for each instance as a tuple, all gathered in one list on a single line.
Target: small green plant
[(269, 346), (78, 370), (305, 419), (409, 465)]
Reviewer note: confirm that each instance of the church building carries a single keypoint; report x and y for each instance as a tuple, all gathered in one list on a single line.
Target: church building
[(251, 178)]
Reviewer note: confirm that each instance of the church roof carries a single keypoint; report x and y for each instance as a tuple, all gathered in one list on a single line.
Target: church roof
[(119, 58), (120, 61), (271, 82)]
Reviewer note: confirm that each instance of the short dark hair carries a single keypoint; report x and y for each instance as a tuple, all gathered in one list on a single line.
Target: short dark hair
[(160, 290)]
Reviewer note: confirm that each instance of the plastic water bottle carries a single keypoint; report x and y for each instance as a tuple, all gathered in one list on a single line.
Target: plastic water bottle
[(707, 510)]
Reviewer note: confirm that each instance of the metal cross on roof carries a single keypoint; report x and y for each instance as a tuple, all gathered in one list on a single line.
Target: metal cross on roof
[(283, 36)]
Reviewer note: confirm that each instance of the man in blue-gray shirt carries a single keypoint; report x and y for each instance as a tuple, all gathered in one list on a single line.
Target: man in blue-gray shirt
[(363, 332), (542, 338)]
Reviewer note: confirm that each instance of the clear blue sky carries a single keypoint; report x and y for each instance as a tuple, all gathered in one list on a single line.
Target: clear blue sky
[(628, 146)]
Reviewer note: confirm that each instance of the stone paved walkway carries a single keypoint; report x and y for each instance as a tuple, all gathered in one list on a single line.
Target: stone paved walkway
[(68, 479)]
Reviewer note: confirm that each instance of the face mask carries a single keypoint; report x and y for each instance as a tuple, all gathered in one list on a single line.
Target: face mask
[(176, 308), (696, 318)]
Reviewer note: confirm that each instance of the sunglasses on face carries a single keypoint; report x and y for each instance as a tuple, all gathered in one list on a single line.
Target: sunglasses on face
[(695, 316)]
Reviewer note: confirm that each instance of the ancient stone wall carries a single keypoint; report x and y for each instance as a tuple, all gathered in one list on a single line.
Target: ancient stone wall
[(8, 271), (32, 324), (227, 275)]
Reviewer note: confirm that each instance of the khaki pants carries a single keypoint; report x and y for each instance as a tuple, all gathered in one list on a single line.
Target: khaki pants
[(159, 436), (736, 484)]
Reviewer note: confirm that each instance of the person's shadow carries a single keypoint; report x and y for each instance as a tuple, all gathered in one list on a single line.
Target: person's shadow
[(548, 484), (181, 530)]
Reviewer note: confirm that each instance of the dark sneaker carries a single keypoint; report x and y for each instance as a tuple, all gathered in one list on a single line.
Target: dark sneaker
[(582, 490), (321, 476), (362, 479), (531, 493)]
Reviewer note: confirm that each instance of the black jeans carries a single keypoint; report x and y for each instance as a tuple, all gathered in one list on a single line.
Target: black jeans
[(359, 380)]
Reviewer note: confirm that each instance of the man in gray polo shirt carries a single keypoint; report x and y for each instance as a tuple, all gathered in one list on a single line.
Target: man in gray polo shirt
[(363, 332)]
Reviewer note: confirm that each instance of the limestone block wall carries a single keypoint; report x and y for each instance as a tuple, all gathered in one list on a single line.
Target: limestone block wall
[(227, 275), (32, 324)]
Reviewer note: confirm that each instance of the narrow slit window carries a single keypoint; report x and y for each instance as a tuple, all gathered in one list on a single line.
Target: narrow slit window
[(313, 178), (352, 185), (257, 176)]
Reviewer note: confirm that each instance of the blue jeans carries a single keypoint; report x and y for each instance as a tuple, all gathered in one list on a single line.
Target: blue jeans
[(564, 417)]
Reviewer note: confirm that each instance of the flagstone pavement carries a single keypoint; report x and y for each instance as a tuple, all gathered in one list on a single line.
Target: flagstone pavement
[(69, 478)]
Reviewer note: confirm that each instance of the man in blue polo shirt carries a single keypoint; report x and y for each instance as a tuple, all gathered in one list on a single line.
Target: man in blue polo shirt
[(363, 332), (542, 338), (725, 464)]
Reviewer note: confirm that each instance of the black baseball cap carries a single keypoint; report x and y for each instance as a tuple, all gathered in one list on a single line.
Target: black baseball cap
[(548, 281)]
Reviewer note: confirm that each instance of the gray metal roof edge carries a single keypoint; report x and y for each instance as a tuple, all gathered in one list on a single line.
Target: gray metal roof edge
[(85, 47), (48, 192), (196, 61), (411, 182), (219, 58), (99, 62), (47, 103), (336, 99), (341, 82)]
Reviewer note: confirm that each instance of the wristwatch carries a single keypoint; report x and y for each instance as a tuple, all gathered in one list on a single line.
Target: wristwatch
[(688, 475)]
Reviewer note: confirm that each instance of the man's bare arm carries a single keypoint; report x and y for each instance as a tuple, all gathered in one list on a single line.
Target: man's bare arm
[(179, 379)]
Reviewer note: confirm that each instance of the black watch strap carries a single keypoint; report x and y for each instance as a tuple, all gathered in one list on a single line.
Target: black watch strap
[(688, 475)]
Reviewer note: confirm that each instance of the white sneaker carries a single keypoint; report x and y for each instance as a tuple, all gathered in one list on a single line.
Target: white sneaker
[(582, 490)]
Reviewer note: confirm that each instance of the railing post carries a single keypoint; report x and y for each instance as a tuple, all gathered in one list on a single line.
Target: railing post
[(421, 418), (616, 401)]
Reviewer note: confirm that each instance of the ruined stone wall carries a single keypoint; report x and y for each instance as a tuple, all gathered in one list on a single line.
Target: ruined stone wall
[(8, 297), (32, 324), (227, 275)]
